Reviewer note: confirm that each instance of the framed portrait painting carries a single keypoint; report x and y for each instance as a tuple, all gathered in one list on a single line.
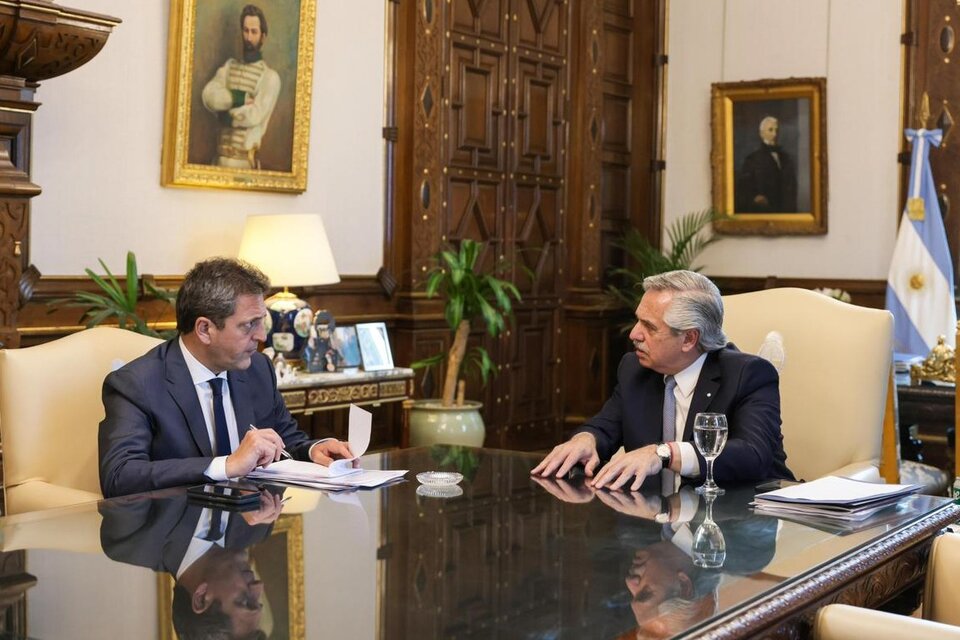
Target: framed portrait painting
[(769, 156), (237, 112)]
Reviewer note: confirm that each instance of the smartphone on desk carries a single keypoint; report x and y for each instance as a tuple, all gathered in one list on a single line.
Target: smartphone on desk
[(225, 495)]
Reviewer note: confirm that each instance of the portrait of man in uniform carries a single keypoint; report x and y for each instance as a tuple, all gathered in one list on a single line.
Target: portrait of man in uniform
[(244, 85)]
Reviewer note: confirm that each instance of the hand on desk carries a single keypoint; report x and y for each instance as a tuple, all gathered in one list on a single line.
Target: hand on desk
[(329, 450), (633, 465), (581, 448)]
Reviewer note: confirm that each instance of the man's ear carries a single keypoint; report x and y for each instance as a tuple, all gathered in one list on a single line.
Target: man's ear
[(202, 328), (686, 585), (199, 602), (691, 338)]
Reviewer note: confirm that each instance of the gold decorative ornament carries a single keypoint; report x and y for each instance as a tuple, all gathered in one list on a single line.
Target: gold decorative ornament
[(917, 281), (939, 365), (916, 209)]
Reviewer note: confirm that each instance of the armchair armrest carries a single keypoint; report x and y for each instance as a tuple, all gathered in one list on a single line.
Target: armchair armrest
[(843, 622)]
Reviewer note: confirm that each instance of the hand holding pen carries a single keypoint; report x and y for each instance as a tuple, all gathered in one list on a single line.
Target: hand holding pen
[(258, 448)]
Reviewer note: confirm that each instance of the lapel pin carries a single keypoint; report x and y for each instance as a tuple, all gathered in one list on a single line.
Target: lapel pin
[(708, 395)]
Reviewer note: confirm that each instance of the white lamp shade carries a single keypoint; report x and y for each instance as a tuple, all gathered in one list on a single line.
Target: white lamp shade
[(290, 248)]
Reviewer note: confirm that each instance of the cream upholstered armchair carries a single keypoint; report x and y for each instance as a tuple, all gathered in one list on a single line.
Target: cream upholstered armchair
[(940, 610), (50, 411), (834, 378)]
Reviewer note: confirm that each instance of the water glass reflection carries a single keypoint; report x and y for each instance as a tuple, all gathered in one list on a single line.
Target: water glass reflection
[(709, 547)]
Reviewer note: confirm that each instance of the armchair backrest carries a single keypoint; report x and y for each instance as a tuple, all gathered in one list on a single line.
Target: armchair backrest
[(51, 406), (834, 379)]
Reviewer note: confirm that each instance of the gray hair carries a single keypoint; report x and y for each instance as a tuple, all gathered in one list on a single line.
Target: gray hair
[(696, 304), (767, 119)]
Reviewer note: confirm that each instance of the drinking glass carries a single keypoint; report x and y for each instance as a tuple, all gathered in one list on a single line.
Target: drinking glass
[(709, 547), (709, 436)]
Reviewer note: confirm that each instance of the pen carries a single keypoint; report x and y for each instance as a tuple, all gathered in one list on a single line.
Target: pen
[(283, 452)]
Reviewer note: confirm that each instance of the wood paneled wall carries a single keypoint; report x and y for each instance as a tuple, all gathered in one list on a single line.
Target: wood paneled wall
[(537, 128)]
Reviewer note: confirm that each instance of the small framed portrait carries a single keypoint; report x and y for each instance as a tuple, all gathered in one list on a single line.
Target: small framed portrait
[(769, 156), (374, 346), (237, 111), (346, 344)]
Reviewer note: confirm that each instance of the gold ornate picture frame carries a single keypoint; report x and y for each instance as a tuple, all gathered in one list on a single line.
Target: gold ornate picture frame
[(769, 156), (278, 563), (231, 120)]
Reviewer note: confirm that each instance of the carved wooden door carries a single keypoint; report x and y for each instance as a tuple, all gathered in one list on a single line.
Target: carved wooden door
[(489, 146), (932, 57)]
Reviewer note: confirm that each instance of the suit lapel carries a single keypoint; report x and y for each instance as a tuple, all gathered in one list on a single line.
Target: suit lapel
[(180, 386), (704, 393), (240, 397)]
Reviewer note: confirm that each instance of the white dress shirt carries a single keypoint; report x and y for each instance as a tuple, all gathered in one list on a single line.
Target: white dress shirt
[(201, 377), (683, 393)]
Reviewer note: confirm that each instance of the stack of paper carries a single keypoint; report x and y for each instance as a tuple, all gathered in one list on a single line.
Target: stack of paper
[(340, 474), (832, 498)]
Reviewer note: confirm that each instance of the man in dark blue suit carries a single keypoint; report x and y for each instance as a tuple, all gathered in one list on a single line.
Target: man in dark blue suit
[(164, 424), (679, 341)]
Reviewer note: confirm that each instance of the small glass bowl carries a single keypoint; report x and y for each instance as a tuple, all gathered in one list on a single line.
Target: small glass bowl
[(439, 491), (439, 478)]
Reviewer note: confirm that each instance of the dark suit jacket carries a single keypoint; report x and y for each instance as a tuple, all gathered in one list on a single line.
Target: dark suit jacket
[(760, 175), (154, 435), (743, 386), (155, 532)]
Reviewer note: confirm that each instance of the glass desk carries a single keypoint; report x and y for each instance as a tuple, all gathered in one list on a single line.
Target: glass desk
[(499, 556)]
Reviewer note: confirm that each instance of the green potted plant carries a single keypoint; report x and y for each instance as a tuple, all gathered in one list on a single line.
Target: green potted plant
[(116, 302), (470, 294), (688, 236)]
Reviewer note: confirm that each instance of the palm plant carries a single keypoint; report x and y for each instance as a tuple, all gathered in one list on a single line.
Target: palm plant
[(470, 294), (688, 237), (116, 301)]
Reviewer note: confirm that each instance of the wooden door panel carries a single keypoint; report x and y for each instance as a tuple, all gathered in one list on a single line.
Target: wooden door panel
[(542, 24), (538, 239), (932, 69), (541, 127), (483, 18), (477, 105), (474, 205)]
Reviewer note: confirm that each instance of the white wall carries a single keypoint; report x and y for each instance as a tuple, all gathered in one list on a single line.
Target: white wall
[(97, 142), (855, 45)]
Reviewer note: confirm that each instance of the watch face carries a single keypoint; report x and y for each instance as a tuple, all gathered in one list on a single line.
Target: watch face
[(663, 451)]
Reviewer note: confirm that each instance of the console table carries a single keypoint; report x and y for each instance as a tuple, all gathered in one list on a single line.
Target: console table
[(312, 397), (926, 415)]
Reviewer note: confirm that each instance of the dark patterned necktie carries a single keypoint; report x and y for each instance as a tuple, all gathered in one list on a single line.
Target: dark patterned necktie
[(220, 418)]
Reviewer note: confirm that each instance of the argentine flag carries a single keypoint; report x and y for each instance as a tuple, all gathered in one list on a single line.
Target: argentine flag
[(920, 282)]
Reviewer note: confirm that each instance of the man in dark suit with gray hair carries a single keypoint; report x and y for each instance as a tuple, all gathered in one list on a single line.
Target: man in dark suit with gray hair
[(681, 365)]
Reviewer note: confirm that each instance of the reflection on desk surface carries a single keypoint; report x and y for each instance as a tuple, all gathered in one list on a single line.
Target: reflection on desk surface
[(508, 557)]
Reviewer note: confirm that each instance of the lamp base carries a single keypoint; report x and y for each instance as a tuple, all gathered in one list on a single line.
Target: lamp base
[(291, 319)]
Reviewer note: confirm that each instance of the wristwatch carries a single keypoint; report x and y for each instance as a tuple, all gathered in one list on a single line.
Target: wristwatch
[(664, 453)]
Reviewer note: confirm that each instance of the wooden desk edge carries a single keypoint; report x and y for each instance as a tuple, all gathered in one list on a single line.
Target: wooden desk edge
[(795, 603)]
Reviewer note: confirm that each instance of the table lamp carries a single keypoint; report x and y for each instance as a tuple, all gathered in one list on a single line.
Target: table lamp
[(293, 251)]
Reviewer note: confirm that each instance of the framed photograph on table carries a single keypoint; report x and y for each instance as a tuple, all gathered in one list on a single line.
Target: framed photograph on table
[(237, 111), (347, 346), (374, 346), (769, 156)]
